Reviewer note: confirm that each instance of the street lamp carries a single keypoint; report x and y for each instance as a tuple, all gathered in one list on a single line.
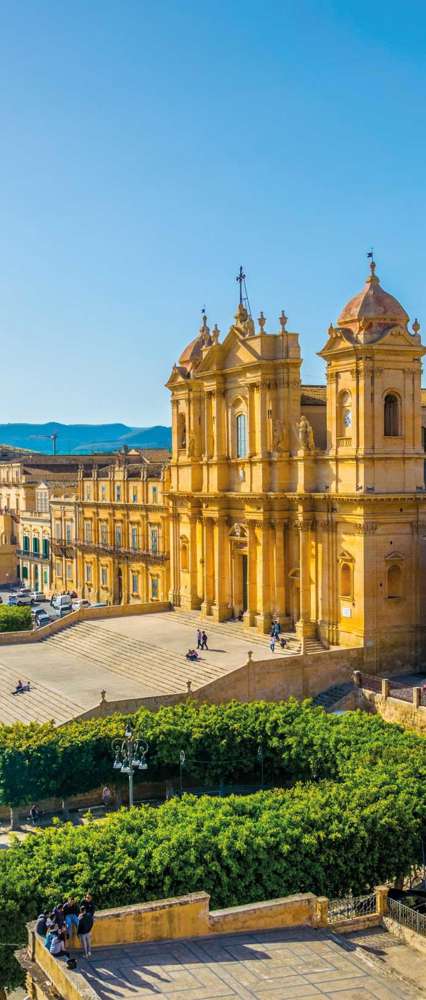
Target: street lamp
[(260, 760), (129, 756)]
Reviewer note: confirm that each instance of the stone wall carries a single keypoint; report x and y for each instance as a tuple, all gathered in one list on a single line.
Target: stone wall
[(393, 709), (85, 614)]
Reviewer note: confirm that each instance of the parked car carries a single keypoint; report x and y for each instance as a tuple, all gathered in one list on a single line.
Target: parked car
[(62, 603), (37, 595), (99, 604), (41, 617), (24, 600), (23, 591), (81, 602), (12, 600)]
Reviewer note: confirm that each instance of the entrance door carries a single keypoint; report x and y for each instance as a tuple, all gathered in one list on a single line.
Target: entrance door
[(119, 587), (245, 583)]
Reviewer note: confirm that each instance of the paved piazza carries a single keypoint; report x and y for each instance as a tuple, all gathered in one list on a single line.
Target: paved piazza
[(133, 657), (268, 965)]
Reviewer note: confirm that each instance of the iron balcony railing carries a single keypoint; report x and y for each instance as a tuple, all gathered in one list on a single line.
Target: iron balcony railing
[(29, 554), (126, 551), (406, 916), (351, 906)]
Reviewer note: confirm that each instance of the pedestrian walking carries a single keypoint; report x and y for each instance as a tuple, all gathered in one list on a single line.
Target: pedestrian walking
[(204, 641), (85, 924), (272, 644), (199, 638)]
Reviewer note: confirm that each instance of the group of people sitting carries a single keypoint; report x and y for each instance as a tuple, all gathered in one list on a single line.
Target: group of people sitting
[(58, 926), (21, 687)]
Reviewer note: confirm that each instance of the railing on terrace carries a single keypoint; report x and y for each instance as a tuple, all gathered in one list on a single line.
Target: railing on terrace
[(404, 915), (351, 906), (392, 689)]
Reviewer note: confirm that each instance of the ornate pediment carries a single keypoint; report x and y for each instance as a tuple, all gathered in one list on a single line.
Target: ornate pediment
[(235, 352), (345, 557), (238, 531), (394, 557)]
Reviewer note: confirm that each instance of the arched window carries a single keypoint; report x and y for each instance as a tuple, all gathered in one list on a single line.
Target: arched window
[(345, 580), (391, 415), (181, 430), (184, 554), (394, 581), (241, 435)]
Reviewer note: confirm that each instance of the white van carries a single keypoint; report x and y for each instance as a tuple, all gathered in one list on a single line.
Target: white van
[(62, 603)]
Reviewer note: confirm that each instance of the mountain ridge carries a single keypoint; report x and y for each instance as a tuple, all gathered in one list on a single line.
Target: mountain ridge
[(80, 439)]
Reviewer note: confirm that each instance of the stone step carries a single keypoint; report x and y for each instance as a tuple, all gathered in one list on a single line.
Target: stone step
[(135, 659), (332, 695), (41, 704)]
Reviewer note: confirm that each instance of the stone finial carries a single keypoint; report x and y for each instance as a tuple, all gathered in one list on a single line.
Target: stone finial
[(416, 326), (261, 321), (215, 334), (188, 687), (283, 321)]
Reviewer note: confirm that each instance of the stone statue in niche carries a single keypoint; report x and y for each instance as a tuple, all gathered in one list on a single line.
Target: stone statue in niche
[(278, 436), (305, 435)]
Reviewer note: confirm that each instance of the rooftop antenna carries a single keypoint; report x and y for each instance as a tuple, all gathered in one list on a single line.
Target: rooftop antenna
[(244, 299)]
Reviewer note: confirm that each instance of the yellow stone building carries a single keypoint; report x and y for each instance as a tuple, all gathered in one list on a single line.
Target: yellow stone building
[(285, 505), (110, 543)]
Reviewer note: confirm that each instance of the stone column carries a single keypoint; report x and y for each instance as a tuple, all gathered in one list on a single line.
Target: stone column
[(264, 617), (305, 627), (174, 428), (251, 420), (208, 554), (250, 614), (279, 599), (193, 591), (221, 599)]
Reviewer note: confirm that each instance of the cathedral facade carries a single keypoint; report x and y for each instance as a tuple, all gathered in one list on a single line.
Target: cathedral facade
[(304, 504)]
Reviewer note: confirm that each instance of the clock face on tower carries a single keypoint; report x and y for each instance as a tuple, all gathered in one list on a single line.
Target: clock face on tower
[(347, 418)]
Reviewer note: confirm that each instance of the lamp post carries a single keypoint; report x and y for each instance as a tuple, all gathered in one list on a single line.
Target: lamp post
[(129, 757), (260, 759)]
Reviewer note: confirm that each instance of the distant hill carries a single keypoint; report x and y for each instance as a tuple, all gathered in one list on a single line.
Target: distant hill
[(81, 439)]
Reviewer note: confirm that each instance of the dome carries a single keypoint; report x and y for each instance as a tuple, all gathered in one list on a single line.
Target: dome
[(373, 308), (193, 352)]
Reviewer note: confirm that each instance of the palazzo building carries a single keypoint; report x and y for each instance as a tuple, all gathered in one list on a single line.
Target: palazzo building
[(297, 503), (110, 540)]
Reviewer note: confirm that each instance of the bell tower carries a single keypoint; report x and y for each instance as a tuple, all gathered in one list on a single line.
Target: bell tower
[(374, 396)]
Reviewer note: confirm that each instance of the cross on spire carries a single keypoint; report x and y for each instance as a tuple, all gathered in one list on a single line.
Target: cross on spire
[(241, 278), (370, 257)]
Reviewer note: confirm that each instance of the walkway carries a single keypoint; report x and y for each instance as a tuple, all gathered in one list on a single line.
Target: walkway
[(267, 965)]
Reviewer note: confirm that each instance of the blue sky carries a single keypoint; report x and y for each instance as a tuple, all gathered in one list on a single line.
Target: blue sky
[(148, 147)]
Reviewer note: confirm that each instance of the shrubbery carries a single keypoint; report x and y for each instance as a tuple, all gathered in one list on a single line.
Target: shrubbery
[(355, 816), (300, 743), (14, 619)]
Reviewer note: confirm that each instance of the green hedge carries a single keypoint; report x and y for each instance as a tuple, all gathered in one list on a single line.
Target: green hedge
[(338, 834), (355, 816), (14, 619), (220, 742)]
